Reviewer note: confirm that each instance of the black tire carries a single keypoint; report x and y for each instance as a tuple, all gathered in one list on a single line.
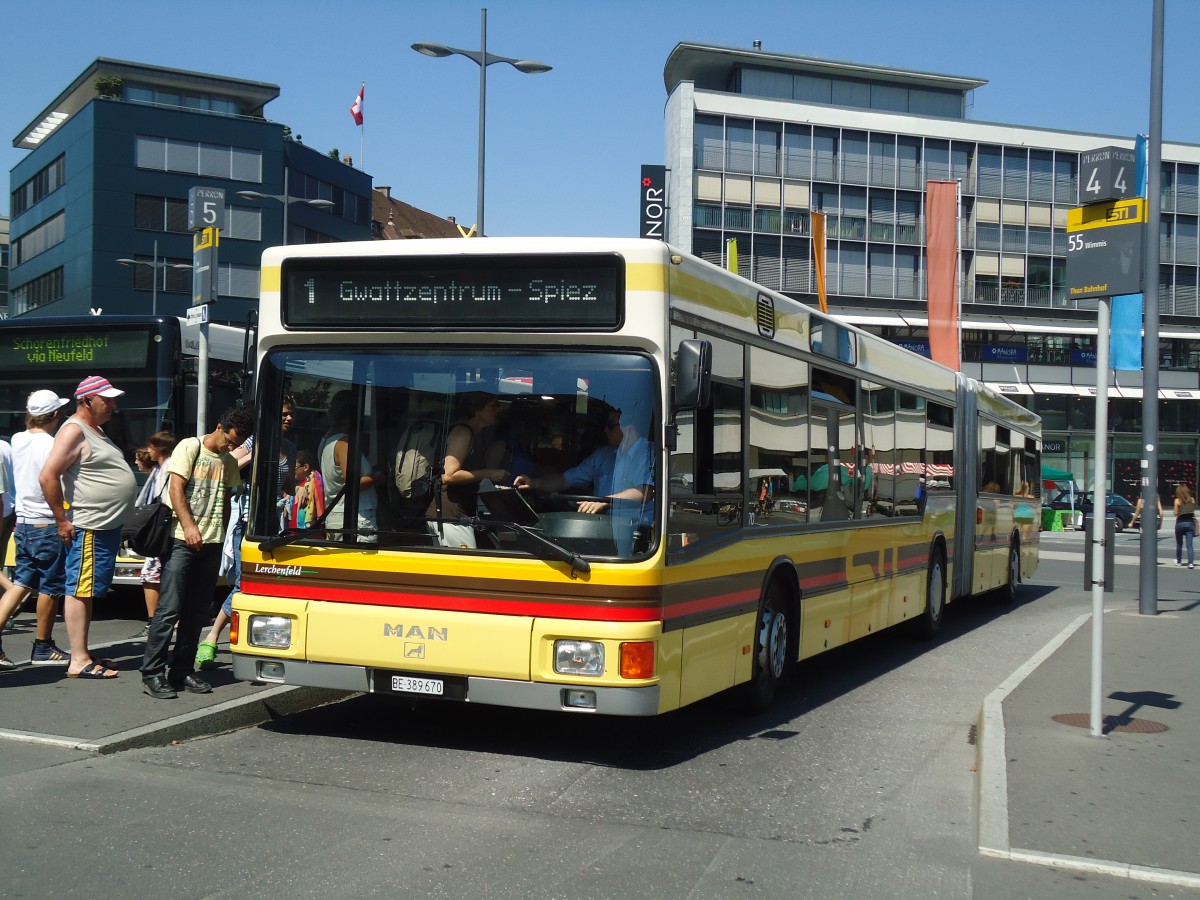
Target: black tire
[(1008, 591), (930, 620), (772, 642)]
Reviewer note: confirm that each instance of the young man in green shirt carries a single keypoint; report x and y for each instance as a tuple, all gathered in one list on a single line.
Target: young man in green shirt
[(203, 473)]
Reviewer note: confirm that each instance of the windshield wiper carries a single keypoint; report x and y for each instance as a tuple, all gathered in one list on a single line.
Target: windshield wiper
[(550, 549)]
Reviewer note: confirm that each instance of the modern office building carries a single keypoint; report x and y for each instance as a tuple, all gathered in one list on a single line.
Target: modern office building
[(756, 141), (111, 161)]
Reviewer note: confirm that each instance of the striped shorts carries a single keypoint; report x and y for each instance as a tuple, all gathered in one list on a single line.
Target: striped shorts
[(91, 561)]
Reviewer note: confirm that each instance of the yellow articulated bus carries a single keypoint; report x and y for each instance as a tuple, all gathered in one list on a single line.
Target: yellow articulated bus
[(601, 476)]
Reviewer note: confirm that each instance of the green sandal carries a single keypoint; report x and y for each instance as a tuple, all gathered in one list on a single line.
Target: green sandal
[(206, 655)]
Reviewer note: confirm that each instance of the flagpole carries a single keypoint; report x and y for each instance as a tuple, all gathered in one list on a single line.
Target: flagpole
[(356, 112)]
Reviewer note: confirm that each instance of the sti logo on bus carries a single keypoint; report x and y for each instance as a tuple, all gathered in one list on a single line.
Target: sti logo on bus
[(653, 200)]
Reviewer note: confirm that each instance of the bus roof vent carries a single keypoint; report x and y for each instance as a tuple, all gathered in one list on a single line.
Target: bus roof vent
[(766, 316)]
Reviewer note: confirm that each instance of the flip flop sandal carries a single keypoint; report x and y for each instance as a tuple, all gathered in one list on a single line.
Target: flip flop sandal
[(95, 671)]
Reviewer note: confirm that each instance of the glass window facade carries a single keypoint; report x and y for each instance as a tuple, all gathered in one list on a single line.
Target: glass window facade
[(1014, 198), (167, 154), (41, 185), (871, 187)]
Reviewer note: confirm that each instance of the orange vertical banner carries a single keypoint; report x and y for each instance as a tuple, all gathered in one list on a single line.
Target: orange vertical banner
[(941, 256), (818, 234)]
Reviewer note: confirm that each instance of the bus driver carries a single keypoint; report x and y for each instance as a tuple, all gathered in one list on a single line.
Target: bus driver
[(622, 471)]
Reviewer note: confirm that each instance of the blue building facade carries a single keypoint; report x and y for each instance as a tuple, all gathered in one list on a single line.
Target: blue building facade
[(111, 163)]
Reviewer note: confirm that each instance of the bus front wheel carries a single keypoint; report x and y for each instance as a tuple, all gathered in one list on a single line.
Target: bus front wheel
[(930, 621), (772, 637)]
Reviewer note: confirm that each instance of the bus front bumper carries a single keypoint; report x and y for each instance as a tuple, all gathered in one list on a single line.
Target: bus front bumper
[(613, 701)]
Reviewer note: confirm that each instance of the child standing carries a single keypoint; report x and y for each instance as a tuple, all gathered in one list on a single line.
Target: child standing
[(308, 503)]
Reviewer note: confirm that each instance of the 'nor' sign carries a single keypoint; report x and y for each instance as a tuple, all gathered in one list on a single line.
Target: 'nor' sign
[(653, 202)]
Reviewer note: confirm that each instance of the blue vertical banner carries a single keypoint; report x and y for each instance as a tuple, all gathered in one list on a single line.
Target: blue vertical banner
[(1125, 340)]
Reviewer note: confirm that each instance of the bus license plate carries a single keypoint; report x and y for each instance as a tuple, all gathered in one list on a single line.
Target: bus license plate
[(405, 684)]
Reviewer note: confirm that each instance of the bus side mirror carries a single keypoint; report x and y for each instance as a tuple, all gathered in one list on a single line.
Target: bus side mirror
[(693, 375)]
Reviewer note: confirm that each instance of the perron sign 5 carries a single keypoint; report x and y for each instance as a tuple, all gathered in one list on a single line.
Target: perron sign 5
[(653, 202)]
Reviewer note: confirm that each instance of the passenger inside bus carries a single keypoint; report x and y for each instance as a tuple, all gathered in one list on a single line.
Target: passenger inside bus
[(333, 453), (468, 447), (621, 476)]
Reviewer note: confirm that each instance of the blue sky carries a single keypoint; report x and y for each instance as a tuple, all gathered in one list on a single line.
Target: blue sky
[(564, 148)]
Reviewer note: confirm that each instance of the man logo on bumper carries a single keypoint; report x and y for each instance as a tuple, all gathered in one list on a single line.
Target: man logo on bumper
[(414, 651), (416, 632)]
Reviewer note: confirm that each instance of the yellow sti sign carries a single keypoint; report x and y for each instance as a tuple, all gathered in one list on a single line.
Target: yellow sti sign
[(1106, 215), (1104, 249)]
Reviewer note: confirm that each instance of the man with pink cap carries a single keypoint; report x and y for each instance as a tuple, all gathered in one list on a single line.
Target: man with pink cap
[(89, 487)]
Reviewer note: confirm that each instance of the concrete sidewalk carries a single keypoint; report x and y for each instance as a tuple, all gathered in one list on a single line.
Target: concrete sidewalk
[(39, 704), (1125, 804)]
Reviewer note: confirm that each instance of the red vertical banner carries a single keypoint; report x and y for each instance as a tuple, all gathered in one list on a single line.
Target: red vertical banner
[(818, 237), (941, 257)]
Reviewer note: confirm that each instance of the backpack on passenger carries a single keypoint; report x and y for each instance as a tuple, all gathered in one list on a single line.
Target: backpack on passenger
[(415, 462)]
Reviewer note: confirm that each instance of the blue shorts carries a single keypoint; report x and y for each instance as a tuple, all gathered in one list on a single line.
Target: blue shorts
[(91, 561), (41, 559)]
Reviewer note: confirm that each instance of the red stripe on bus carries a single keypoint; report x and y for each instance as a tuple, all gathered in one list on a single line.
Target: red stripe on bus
[(498, 606), (712, 604)]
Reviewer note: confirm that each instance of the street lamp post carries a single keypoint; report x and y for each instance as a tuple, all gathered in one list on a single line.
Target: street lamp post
[(155, 266), (483, 59), (285, 199)]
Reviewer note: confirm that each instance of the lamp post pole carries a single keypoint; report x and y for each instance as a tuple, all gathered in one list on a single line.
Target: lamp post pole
[(286, 199), (483, 59), (286, 202), (154, 282), (483, 64), (155, 267), (1148, 577)]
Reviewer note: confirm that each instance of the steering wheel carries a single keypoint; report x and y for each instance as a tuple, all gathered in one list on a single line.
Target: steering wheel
[(584, 498)]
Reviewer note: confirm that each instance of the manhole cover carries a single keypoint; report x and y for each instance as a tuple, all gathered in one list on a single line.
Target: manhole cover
[(1125, 724)]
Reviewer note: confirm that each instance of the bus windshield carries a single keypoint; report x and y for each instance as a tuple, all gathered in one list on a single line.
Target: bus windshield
[(548, 453)]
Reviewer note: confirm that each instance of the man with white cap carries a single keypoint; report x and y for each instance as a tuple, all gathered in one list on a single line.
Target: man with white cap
[(89, 487), (40, 558), (8, 514)]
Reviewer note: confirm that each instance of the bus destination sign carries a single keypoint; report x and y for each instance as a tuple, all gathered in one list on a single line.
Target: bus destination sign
[(552, 292), (56, 349)]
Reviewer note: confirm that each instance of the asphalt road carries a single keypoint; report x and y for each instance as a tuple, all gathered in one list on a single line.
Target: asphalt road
[(858, 784)]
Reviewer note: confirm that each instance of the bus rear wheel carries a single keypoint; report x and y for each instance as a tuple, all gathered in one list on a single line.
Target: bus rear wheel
[(930, 621), (772, 637)]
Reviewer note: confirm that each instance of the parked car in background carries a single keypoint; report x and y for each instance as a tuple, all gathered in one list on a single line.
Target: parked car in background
[(1117, 506)]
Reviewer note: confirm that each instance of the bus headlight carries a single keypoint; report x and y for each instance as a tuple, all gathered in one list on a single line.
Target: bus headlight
[(272, 632), (579, 658)]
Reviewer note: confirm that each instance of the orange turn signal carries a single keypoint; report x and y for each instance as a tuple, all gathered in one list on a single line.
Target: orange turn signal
[(233, 628), (637, 659)]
